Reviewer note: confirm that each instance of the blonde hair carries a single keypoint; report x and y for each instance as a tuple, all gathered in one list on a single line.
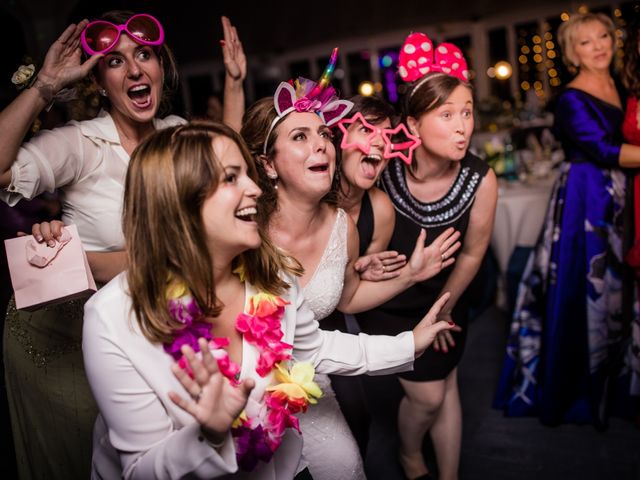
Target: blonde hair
[(170, 175), (567, 31)]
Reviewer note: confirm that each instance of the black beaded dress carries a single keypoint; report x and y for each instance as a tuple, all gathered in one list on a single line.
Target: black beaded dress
[(405, 310)]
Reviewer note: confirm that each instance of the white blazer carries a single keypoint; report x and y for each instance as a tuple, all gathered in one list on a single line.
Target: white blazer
[(142, 434)]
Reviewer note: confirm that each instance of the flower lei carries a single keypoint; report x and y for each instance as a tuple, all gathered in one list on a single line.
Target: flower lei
[(256, 438)]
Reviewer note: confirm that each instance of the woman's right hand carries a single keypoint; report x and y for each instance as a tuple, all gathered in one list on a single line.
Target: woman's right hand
[(427, 262), (235, 62), (47, 232), (62, 65), (214, 402), (444, 340), (377, 267)]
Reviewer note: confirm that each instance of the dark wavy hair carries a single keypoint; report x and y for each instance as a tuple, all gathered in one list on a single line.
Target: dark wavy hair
[(631, 66), (375, 110)]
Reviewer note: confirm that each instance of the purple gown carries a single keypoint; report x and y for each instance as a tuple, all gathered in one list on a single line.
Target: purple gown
[(570, 355)]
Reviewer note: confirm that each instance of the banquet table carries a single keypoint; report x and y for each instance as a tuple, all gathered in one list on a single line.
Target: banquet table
[(520, 213)]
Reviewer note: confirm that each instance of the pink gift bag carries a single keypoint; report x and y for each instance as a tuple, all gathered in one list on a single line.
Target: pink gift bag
[(43, 275)]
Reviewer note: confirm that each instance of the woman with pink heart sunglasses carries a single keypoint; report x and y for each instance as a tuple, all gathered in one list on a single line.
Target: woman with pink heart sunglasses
[(52, 409)]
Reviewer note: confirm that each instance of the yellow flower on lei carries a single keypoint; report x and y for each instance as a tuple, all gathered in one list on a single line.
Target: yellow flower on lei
[(298, 382), (240, 420), (176, 289), (264, 304)]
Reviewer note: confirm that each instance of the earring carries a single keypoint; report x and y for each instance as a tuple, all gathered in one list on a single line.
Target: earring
[(102, 92), (274, 177)]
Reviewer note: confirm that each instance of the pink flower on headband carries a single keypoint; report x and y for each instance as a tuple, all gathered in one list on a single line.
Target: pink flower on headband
[(419, 57), (297, 97), (306, 105)]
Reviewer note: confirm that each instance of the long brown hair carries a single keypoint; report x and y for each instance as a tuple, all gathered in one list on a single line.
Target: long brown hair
[(630, 76), (255, 126), (170, 175)]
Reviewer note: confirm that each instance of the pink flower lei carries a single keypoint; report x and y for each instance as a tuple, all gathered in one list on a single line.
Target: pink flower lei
[(256, 438)]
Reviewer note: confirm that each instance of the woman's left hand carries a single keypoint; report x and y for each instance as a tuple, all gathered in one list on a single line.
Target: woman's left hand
[(214, 403), (427, 262), (444, 340), (376, 267), (431, 325)]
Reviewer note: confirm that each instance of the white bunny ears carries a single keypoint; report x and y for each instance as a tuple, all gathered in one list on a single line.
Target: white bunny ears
[(305, 95)]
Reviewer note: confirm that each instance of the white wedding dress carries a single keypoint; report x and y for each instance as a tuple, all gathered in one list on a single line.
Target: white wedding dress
[(329, 447)]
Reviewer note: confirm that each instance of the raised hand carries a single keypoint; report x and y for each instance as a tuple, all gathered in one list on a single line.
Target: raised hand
[(214, 403), (380, 266), (429, 327), (427, 262), (62, 65), (235, 62)]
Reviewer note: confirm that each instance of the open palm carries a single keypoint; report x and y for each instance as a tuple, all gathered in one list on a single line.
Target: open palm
[(427, 262), (214, 403), (235, 62), (62, 65)]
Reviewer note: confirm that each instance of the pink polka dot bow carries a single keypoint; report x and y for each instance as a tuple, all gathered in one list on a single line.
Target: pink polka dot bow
[(418, 57)]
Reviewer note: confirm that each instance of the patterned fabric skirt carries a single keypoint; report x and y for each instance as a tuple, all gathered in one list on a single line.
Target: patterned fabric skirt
[(51, 406), (572, 356)]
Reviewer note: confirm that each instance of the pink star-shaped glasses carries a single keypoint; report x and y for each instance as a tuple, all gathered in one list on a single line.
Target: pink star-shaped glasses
[(391, 149)]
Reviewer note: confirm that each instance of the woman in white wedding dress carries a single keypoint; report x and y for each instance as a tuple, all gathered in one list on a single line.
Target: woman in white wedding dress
[(297, 162)]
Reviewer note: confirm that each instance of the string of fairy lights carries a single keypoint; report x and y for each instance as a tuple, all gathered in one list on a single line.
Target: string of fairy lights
[(539, 67), (539, 61)]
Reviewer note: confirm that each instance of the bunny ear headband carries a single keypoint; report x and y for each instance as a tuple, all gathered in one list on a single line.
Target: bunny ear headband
[(418, 57), (305, 95)]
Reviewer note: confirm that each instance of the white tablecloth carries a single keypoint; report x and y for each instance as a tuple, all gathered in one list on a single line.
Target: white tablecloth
[(519, 215)]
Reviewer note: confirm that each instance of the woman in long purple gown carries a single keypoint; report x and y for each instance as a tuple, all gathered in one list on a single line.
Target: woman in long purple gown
[(569, 355)]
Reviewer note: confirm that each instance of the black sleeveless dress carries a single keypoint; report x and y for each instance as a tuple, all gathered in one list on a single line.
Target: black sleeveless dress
[(405, 310)]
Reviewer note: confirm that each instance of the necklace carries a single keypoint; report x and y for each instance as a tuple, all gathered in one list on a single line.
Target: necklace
[(256, 437)]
